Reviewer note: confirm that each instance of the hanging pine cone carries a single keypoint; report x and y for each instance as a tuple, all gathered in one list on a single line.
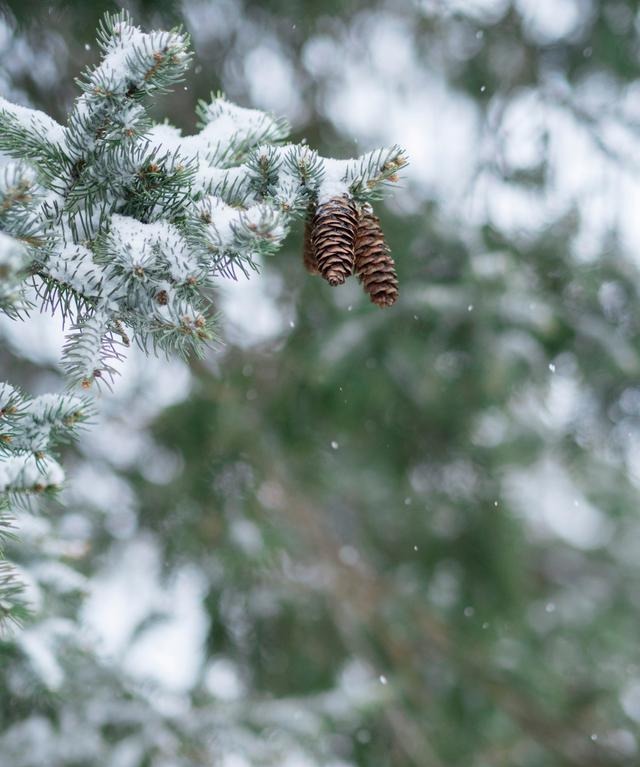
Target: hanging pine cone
[(333, 235), (308, 252), (373, 262)]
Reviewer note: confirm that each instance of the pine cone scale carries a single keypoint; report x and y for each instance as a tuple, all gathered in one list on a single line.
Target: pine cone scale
[(309, 254), (373, 262), (333, 236), (340, 241)]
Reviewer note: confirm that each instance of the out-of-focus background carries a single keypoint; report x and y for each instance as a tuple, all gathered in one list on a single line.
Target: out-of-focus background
[(349, 537)]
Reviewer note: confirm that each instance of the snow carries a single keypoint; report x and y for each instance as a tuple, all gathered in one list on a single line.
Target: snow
[(52, 408), (227, 126), (130, 55), (129, 587), (548, 21), (12, 253), (161, 250), (140, 245), (334, 182), (116, 67), (213, 180), (89, 336), (41, 655), (262, 220), (223, 218), (227, 122), (552, 505), (35, 122), (168, 139), (254, 310), (134, 241), (73, 265), (130, 61), (7, 395), (223, 680), (60, 576), (23, 471)]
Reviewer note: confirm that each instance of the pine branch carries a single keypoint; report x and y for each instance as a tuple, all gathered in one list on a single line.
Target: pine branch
[(89, 351), (234, 131), (28, 134), (123, 225), (14, 263), (230, 191), (367, 176), (13, 608)]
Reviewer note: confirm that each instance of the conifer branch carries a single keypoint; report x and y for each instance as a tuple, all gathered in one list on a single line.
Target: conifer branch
[(123, 225)]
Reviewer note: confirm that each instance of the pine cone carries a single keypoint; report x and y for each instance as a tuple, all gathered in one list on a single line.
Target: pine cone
[(333, 236), (374, 265), (308, 252)]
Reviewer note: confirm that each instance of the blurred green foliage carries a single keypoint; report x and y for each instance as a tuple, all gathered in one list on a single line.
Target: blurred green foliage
[(373, 456)]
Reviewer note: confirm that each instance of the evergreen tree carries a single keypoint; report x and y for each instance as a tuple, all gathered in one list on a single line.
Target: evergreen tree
[(415, 534), (123, 224)]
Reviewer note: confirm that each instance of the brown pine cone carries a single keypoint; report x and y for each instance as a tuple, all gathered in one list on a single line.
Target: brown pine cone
[(333, 236), (373, 262), (308, 252)]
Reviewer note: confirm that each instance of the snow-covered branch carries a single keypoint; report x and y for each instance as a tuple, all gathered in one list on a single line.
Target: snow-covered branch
[(123, 224)]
